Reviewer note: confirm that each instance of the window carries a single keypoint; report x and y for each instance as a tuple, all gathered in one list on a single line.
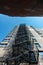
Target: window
[(32, 57), (41, 36), (41, 55), (29, 47), (34, 39), (2, 45), (37, 45)]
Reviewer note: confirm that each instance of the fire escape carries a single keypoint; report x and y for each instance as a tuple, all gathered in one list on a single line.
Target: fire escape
[(22, 49)]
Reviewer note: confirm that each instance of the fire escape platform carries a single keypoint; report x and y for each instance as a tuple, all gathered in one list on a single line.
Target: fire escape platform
[(39, 63)]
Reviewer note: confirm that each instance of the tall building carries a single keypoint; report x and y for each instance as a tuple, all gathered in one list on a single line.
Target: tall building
[(22, 45)]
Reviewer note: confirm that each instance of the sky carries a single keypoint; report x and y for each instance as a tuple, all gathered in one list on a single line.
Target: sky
[(7, 23)]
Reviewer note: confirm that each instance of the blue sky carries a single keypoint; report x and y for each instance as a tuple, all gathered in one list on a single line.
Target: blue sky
[(7, 23)]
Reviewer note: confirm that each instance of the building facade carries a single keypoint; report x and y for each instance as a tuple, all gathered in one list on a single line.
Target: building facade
[(22, 45)]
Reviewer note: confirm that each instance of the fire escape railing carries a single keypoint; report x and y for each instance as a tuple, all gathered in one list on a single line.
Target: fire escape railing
[(23, 49)]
